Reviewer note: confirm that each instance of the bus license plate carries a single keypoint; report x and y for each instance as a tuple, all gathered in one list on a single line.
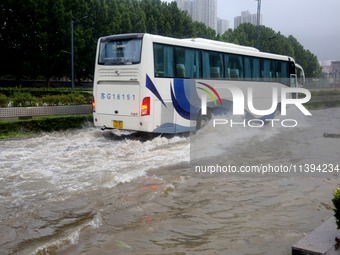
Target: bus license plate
[(117, 124)]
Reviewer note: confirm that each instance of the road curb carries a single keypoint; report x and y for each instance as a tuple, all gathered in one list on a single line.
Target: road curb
[(319, 242)]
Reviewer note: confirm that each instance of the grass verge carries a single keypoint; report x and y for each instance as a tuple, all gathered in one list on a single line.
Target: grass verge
[(322, 104), (47, 124), (334, 92)]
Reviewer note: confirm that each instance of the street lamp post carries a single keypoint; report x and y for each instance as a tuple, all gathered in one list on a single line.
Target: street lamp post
[(267, 39), (72, 55), (258, 23)]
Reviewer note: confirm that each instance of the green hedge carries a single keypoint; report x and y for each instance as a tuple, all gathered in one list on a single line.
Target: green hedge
[(321, 104), (336, 203), (40, 92), (47, 124), (328, 92), (25, 99), (4, 100)]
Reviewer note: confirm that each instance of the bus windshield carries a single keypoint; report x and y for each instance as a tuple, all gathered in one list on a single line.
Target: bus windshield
[(120, 52)]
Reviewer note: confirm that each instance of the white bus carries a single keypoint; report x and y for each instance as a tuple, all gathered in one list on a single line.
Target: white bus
[(156, 84)]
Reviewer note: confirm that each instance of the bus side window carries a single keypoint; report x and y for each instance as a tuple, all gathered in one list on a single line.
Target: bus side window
[(235, 64), (256, 69), (213, 65), (205, 64), (180, 71), (266, 74), (247, 67), (188, 62), (227, 74), (198, 64), (180, 62), (158, 60), (163, 60), (216, 65), (283, 67)]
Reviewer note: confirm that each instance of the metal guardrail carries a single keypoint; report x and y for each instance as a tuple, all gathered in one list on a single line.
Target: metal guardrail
[(10, 113), (20, 112)]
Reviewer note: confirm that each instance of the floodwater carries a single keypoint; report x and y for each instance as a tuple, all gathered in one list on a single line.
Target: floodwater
[(93, 192)]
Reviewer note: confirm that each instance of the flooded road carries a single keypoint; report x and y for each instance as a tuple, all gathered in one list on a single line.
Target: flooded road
[(94, 192)]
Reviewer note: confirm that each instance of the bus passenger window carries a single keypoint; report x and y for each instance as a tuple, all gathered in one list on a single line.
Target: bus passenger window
[(265, 72), (180, 62), (163, 60), (187, 62), (256, 69), (234, 66), (180, 71), (247, 67), (227, 74), (215, 72), (205, 65), (234, 74), (213, 65), (272, 70), (216, 65), (283, 72)]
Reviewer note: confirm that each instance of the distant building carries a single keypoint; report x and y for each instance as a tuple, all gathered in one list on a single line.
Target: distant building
[(327, 71), (335, 73), (246, 17), (331, 71), (222, 26), (201, 10)]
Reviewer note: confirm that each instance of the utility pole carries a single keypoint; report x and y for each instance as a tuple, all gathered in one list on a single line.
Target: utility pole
[(258, 23), (72, 58)]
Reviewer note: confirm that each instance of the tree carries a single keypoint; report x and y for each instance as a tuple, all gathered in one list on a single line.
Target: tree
[(138, 19), (32, 38), (35, 34), (50, 39), (305, 58), (274, 42)]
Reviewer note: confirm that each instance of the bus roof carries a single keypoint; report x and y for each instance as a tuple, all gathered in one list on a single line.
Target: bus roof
[(219, 46), (201, 43), (222, 44)]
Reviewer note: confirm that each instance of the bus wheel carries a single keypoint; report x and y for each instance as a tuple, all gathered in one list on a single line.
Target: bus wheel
[(202, 120)]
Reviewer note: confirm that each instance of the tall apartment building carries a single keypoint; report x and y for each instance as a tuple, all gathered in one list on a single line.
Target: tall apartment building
[(202, 10), (222, 26), (246, 17)]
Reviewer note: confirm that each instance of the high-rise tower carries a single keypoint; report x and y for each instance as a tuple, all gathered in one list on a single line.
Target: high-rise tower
[(246, 17), (201, 10)]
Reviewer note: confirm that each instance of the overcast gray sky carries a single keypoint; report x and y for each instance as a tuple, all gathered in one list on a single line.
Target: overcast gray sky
[(315, 23)]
